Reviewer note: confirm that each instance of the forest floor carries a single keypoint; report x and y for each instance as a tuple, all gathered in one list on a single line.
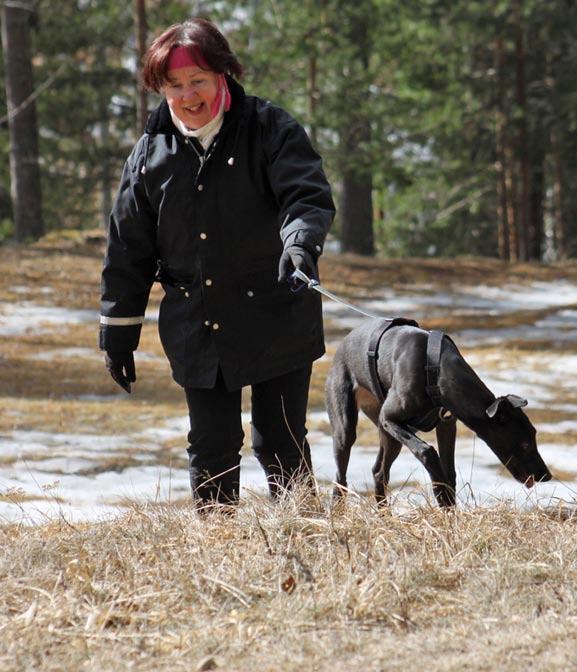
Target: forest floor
[(117, 566)]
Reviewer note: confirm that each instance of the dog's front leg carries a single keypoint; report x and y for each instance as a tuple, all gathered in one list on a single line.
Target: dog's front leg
[(446, 432), (388, 452), (428, 457)]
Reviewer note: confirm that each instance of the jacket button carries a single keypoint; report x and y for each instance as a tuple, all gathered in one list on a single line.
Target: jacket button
[(187, 294), (250, 293), (200, 187), (203, 236), (207, 323), (318, 248), (183, 288), (208, 282), (216, 326)]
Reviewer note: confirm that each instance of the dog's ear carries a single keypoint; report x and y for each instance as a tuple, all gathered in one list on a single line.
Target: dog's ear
[(492, 409), (515, 401)]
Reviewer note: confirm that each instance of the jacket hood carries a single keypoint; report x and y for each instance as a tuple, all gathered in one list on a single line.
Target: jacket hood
[(160, 121)]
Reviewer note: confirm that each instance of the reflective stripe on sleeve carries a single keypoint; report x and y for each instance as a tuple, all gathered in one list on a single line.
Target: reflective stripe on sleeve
[(121, 321)]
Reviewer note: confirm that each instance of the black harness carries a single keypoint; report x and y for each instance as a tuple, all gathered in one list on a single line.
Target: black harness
[(432, 369), (373, 351)]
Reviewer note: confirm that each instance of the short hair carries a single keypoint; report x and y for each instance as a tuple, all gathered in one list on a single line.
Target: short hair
[(199, 34)]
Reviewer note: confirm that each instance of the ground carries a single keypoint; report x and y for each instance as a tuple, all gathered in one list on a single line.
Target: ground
[(71, 442), (299, 585)]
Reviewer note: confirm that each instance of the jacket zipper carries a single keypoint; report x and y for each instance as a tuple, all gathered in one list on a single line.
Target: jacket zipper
[(202, 158)]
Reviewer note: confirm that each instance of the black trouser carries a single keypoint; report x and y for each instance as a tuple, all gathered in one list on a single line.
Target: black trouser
[(278, 435)]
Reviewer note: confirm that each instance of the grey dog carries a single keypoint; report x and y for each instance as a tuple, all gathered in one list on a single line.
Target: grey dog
[(400, 400)]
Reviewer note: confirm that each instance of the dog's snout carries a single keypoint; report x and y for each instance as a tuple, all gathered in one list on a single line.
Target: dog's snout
[(537, 476)]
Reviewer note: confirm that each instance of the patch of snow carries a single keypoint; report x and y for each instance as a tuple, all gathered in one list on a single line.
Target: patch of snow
[(65, 464), (474, 337), (562, 319), (47, 465), (65, 353), (95, 397), (558, 427), (469, 300), (92, 497), (477, 474), (535, 295), (26, 317), (38, 512), (26, 289)]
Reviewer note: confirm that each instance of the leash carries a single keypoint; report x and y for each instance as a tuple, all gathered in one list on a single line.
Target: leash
[(311, 283), (433, 354)]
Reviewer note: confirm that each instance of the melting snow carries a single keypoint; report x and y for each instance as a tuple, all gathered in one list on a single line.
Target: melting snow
[(27, 317), (53, 466)]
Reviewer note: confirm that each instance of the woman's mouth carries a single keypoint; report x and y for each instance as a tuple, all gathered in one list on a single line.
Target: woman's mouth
[(193, 109)]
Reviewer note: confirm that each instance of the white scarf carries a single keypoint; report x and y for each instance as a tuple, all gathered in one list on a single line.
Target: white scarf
[(205, 134)]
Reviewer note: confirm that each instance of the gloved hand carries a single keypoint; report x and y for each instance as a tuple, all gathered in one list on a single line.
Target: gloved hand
[(295, 257), (120, 365)]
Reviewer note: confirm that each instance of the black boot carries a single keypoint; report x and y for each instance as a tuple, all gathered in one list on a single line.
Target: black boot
[(284, 474), (212, 484)]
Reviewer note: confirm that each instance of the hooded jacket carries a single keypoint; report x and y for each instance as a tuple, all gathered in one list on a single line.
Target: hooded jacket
[(211, 227)]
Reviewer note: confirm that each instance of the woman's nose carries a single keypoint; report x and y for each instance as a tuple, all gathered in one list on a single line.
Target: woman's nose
[(189, 92)]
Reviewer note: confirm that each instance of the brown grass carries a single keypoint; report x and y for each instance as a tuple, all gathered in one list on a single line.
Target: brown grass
[(295, 586)]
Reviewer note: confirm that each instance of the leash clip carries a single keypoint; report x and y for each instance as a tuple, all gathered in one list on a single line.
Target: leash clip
[(300, 280)]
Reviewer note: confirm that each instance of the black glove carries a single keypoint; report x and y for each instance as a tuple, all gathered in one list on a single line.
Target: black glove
[(120, 365), (295, 257)]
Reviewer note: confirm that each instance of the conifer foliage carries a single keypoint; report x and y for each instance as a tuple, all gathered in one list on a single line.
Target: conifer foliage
[(446, 126)]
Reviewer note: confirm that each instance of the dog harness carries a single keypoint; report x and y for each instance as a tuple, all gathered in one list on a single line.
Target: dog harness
[(432, 368), (373, 351)]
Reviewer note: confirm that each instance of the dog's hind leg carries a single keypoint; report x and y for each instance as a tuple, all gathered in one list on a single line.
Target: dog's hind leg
[(388, 452), (344, 415), (446, 432), (428, 457)]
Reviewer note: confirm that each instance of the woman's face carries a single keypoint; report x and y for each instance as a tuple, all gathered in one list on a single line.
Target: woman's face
[(190, 92)]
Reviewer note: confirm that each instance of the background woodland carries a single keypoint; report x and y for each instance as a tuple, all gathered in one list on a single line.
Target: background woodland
[(446, 127)]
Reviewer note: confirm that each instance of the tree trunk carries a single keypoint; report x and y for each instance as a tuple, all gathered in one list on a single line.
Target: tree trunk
[(511, 191), (104, 153), (25, 186), (356, 210), (558, 216), (502, 223), (538, 157), (536, 230), (523, 150), (142, 96), (313, 95), (357, 214)]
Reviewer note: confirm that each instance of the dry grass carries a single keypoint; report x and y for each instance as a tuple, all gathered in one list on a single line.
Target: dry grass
[(295, 586)]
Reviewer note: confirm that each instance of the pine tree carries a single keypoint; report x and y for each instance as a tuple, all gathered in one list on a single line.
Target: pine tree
[(20, 95)]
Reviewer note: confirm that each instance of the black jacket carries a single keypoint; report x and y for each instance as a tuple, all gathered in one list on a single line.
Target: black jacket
[(212, 230)]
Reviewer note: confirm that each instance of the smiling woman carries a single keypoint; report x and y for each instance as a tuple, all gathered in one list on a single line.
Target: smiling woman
[(191, 94), (221, 200)]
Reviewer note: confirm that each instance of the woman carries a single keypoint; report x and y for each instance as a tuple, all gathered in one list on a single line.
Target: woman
[(220, 199)]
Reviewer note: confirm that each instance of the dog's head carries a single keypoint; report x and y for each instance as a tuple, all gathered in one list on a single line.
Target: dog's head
[(509, 433)]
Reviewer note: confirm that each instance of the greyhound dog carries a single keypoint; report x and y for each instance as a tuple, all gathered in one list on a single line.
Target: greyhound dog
[(406, 379)]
